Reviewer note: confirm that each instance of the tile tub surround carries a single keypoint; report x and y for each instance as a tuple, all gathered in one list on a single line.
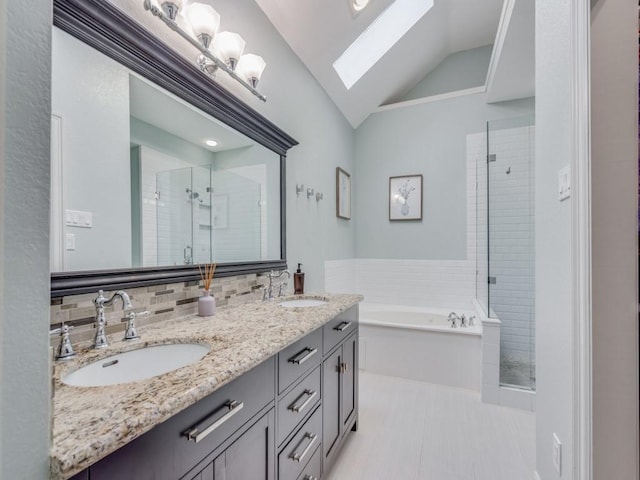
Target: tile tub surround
[(163, 301), (90, 423)]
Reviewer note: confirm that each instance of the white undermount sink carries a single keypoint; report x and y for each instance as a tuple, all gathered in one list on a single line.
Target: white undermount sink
[(136, 365), (303, 302)]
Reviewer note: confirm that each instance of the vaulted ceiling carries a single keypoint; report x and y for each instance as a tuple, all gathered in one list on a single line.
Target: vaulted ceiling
[(319, 31)]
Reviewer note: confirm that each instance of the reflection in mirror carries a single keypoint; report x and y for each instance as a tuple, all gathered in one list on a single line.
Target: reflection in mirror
[(136, 185)]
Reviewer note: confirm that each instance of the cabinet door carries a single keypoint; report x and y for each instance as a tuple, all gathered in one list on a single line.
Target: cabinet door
[(349, 388), (250, 457), (331, 403)]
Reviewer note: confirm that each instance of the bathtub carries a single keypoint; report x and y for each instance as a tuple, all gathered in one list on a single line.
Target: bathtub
[(418, 343)]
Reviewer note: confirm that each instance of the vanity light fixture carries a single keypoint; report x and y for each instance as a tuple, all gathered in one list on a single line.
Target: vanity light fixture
[(218, 51), (299, 189), (211, 143), (358, 5)]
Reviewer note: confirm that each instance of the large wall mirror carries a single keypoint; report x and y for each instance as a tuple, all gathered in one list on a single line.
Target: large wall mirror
[(155, 168)]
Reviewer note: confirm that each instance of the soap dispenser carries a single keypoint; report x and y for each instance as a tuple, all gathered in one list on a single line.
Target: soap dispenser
[(298, 280)]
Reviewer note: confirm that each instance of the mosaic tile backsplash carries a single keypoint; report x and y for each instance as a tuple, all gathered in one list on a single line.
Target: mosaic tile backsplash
[(162, 301)]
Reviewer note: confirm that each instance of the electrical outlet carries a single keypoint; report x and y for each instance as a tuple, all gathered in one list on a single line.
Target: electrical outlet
[(557, 454)]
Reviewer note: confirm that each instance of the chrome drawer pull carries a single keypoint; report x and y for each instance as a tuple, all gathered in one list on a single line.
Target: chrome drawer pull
[(297, 457), (194, 434), (310, 477), (298, 408), (303, 356), (342, 327)]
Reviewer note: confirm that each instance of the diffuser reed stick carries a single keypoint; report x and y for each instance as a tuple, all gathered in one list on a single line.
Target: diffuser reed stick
[(207, 275)]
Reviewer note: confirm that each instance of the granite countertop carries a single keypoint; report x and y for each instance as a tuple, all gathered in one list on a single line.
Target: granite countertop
[(89, 423)]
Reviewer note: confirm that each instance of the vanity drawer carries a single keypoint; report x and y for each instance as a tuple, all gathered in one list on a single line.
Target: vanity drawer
[(312, 469), (295, 405), (166, 453), (295, 456), (299, 358), (336, 330)]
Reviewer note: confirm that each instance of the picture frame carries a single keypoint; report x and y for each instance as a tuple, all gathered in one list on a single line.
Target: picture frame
[(405, 198), (343, 194)]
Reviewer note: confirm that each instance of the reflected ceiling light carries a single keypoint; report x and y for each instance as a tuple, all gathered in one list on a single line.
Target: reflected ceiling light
[(218, 51), (211, 143)]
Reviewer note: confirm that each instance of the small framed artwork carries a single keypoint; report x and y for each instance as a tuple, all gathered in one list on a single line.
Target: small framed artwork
[(343, 194), (405, 198)]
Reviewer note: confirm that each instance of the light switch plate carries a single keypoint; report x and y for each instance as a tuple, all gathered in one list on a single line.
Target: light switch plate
[(76, 218), (70, 241), (564, 183)]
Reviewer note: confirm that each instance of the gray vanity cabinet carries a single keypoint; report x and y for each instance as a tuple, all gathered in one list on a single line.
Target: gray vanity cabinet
[(340, 384), (215, 422), (249, 457), (286, 418)]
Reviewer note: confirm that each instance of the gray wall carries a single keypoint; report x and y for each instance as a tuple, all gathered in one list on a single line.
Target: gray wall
[(25, 56), (428, 139), (554, 407), (90, 92), (298, 105), (458, 71), (148, 135), (614, 90)]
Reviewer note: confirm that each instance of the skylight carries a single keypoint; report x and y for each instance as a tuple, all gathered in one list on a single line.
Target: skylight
[(378, 38)]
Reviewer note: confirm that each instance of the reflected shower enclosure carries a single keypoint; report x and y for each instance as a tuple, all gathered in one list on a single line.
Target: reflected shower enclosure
[(505, 228), (198, 214)]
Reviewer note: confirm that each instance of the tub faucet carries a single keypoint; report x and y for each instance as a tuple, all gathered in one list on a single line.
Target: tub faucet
[(100, 302), (453, 316)]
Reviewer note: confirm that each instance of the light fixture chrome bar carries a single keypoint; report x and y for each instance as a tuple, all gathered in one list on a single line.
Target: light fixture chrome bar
[(204, 51)]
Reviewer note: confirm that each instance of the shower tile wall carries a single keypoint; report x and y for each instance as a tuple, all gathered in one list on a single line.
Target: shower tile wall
[(511, 238)]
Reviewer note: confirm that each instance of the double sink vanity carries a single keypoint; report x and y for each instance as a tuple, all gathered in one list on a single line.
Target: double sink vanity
[(271, 392)]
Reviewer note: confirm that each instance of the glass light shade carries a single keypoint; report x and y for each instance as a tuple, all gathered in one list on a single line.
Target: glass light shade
[(171, 8), (250, 68), (359, 4), (228, 46), (204, 21)]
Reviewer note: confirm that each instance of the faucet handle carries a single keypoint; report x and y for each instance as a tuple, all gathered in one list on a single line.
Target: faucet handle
[(283, 288), (130, 332), (64, 350)]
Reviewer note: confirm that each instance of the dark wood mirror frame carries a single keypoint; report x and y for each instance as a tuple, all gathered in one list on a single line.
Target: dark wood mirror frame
[(106, 28)]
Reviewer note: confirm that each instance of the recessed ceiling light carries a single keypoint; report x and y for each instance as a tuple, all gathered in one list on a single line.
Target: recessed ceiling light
[(359, 4), (378, 38), (211, 143)]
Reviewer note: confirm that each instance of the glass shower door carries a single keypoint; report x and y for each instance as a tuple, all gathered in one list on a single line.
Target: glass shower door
[(174, 217), (236, 210), (510, 237)]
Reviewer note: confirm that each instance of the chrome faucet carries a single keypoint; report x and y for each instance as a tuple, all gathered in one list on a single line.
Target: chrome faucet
[(453, 317), (268, 290), (64, 351), (100, 302), (131, 333)]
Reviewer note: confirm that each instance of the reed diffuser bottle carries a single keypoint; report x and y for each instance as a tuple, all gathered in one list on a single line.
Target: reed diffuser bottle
[(207, 303)]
